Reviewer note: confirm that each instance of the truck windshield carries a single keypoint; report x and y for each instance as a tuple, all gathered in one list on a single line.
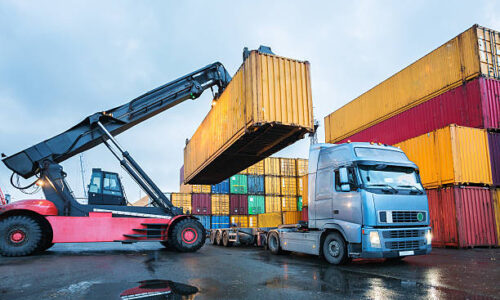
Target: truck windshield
[(389, 176)]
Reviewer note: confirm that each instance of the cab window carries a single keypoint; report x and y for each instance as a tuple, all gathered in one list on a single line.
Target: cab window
[(95, 183), (111, 185), (352, 180)]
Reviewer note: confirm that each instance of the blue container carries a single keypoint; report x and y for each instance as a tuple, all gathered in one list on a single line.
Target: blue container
[(220, 222), (255, 185), (221, 188), (204, 220)]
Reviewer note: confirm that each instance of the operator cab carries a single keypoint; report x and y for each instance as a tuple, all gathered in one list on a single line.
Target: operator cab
[(105, 188)]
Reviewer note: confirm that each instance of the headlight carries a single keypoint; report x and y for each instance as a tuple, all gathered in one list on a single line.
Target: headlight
[(428, 237), (375, 239)]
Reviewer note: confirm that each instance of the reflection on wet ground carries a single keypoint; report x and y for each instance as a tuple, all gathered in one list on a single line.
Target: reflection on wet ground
[(98, 271)]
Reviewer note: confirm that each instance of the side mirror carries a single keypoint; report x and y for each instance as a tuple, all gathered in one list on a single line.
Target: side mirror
[(344, 180)]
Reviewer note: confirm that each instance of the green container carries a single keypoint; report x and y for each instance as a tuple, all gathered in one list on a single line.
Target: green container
[(238, 184), (256, 205), (299, 203)]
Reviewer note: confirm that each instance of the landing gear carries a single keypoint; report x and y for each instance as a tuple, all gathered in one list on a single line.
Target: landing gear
[(187, 236), (20, 236)]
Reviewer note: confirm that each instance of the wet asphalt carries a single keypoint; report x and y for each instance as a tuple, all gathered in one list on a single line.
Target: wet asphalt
[(111, 270)]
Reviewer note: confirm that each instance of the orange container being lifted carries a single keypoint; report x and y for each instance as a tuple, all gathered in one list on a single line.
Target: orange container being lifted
[(266, 107), (473, 53)]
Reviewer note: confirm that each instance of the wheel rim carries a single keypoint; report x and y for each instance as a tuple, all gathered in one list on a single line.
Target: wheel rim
[(17, 236), (273, 243), (334, 248), (189, 235)]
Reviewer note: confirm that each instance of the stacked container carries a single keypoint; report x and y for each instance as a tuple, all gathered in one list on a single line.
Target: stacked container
[(447, 122), (273, 186)]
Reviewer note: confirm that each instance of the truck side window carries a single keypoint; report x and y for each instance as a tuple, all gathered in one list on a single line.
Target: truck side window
[(352, 180)]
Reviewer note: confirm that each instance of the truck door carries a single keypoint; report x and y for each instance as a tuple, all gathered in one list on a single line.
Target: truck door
[(346, 202), (323, 201)]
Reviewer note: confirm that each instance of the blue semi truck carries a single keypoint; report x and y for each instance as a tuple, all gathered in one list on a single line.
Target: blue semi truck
[(366, 200)]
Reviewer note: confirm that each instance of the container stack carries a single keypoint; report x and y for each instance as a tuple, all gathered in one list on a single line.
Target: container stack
[(266, 194), (443, 111)]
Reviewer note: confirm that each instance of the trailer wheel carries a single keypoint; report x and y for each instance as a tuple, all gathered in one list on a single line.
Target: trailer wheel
[(273, 243), (225, 239), (212, 237), (19, 236), (187, 236), (335, 249), (218, 238)]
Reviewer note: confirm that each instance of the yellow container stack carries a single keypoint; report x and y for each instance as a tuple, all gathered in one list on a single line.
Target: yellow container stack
[(182, 200), (220, 204)]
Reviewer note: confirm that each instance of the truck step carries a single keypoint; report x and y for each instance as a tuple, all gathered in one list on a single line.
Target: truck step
[(135, 241), (136, 236), (155, 224), (148, 229)]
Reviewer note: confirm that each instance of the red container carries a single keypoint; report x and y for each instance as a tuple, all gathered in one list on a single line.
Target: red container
[(494, 145), (462, 217), (305, 214), (474, 104), (201, 204), (238, 205)]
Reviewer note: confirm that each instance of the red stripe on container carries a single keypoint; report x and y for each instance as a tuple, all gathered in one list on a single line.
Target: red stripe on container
[(474, 104)]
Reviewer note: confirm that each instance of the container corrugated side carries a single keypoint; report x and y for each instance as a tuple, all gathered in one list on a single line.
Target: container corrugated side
[(462, 216), (221, 188), (220, 204), (272, 185), (272, 166), (305, 190), (238, 204), (495, 193), (291, 217), (494, 146), (288, 186), (273, 204), (182, 200), (202, 188), (270, 220), (266, 107), (186, 188), (239, 221), (205, 221), (256, 184), (220, 222), (288, 203), (302, 166), (299, 203), (288, 167), (256, 204), (238, 184), (253, 221), (256, 169), (304, 216), (451, 155), (446, 67), (300, 186), (473, 104), (202, 204)]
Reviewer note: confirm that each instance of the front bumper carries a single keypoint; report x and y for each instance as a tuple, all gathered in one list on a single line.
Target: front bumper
[(396, 242)]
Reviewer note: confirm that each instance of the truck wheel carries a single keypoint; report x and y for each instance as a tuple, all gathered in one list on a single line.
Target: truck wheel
[(166, 244), (335, 249), (218, 238), (19, 236), (46, 241), (225, 239), (212, 237), (187, 236), (273, 243)]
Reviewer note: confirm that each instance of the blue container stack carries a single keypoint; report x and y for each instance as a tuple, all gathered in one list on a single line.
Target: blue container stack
[(256, 184), (220, 222), (221, 188), (205, 221)]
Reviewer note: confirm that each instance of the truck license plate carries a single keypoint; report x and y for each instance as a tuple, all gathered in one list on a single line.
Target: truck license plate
[(405, 253)]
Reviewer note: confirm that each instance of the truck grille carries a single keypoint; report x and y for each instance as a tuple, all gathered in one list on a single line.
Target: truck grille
[(408, 216), (404, 245), (398, 234)]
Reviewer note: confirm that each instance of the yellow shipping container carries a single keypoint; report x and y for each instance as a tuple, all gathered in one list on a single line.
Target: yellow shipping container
[(305, 191), (270, 220), (450, 155), (220, 204), (288, 167), (256, 169), (300, 186), (465, 57), (291, 217), (252, 221), (496, 201), (239, 221), (202, 188), (272, 166), (288, 203), (186, 188), (269, 96), (182, 200), (288, 186), (273, 204), (302, 166), (272, 185)]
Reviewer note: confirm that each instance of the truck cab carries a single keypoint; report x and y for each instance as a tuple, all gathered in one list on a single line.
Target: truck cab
[(365, 201)]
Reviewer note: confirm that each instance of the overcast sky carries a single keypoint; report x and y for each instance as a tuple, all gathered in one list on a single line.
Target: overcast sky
[(61, 61)]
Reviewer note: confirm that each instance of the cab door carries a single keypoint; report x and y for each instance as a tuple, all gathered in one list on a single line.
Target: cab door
[(112, 193), (95, 188)]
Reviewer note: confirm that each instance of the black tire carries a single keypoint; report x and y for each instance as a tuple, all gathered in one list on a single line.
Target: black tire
[(167, 245), (19, 236), (273, 243), (188, 235), (46, 241), (335, 249), (218, 238), (212, 237), (225, 239)]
